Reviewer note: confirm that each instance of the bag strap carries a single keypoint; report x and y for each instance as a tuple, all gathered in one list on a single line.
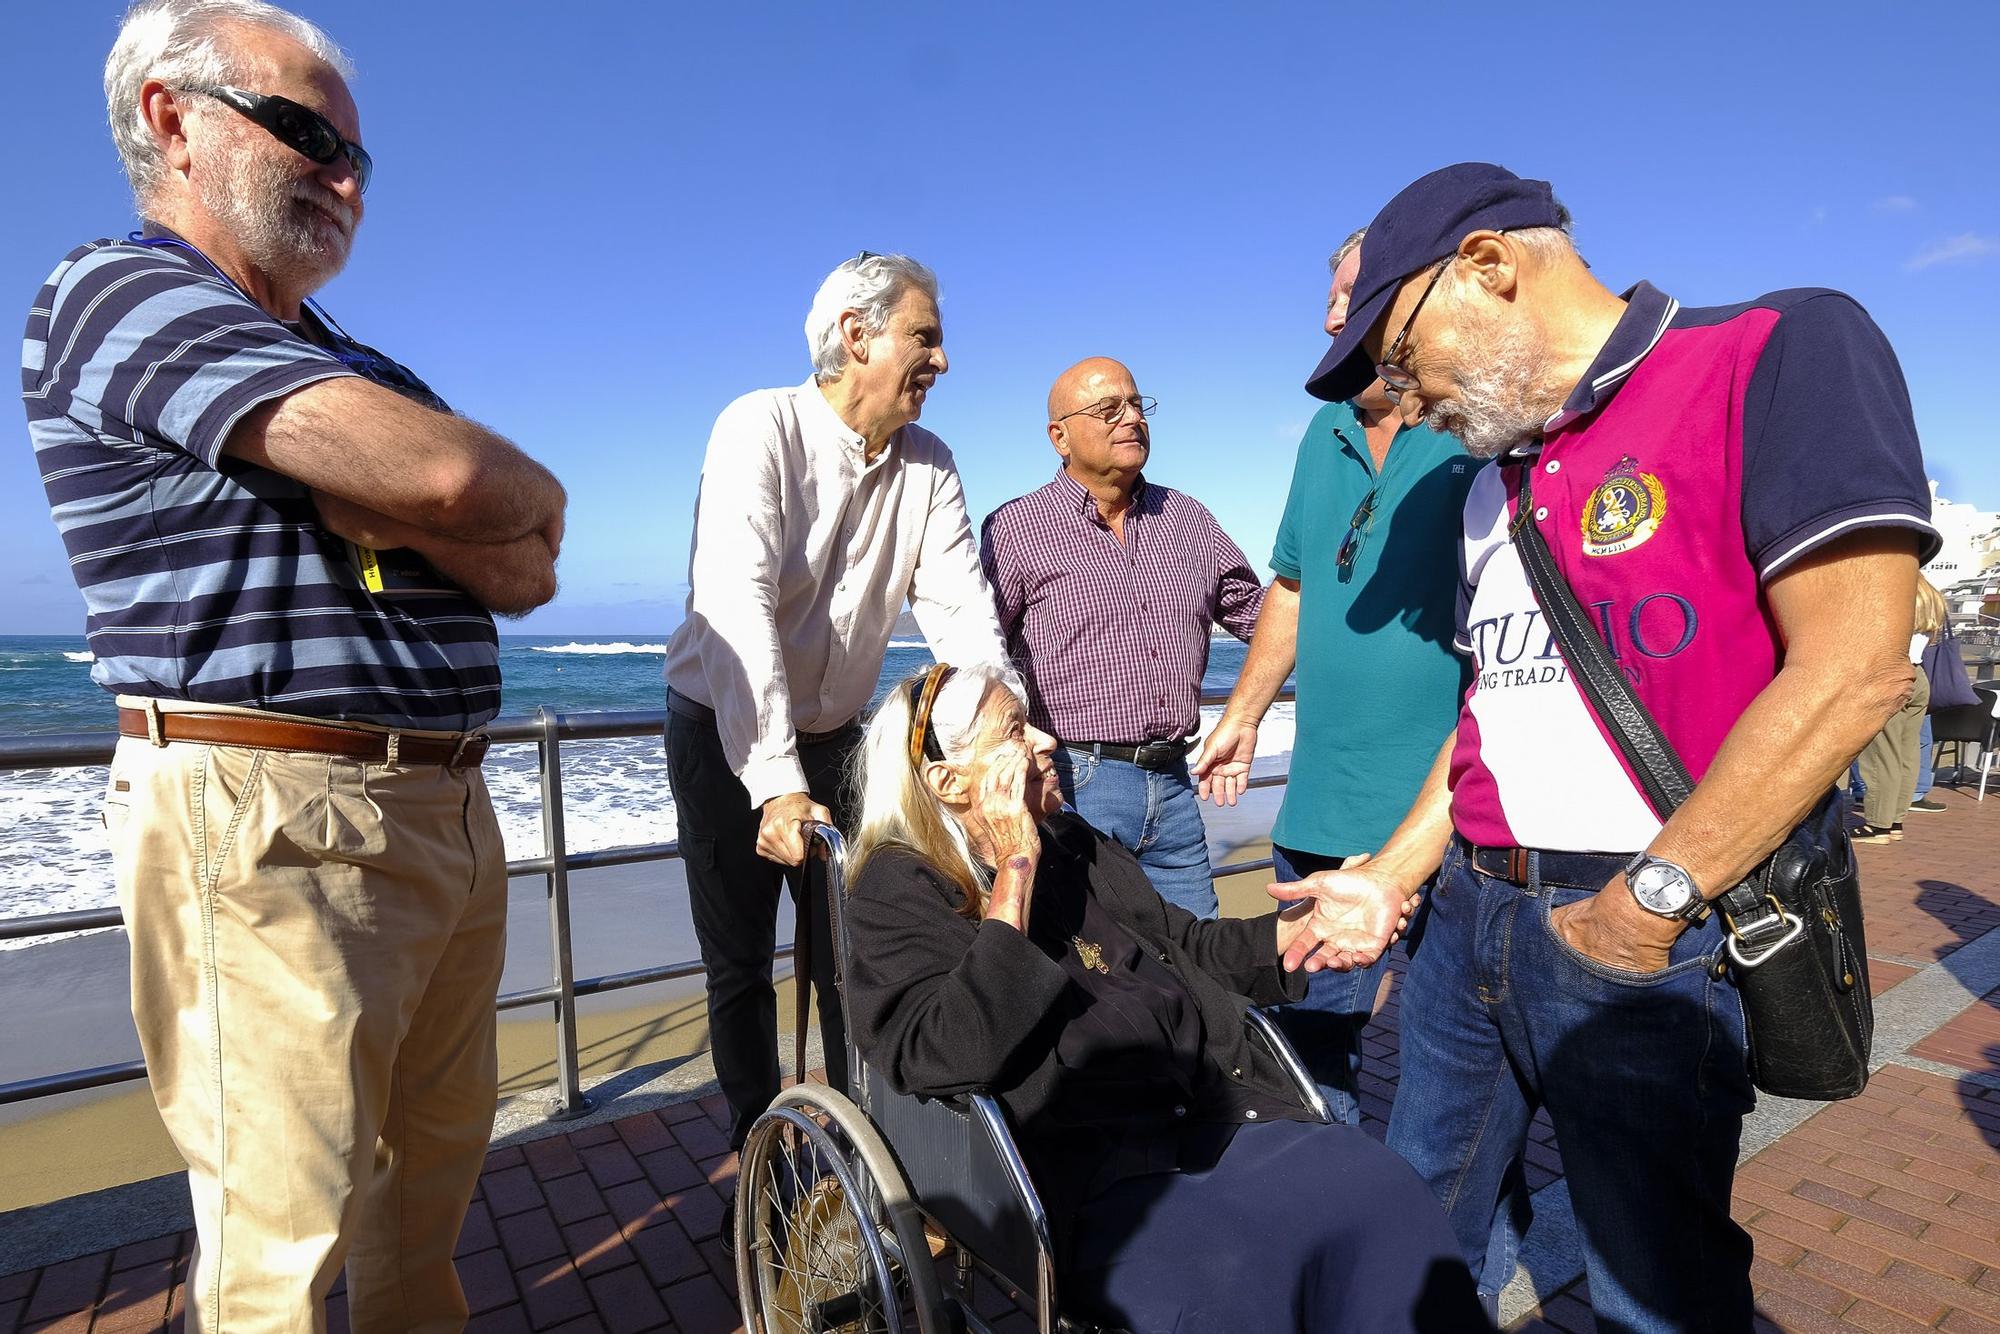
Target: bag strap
[(1662, 777)]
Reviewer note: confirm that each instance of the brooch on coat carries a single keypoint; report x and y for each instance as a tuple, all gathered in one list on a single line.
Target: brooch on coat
[(1092, 955)]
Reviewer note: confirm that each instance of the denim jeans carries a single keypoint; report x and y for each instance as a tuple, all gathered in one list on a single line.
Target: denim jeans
[(1643, 1075), (1152, 814), (1926, 776), (1326, 1026)]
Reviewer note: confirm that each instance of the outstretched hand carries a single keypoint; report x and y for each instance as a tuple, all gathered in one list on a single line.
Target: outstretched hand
[(1222, 769), (1341, 919)]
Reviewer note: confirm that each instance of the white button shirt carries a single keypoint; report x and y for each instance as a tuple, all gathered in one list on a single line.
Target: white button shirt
[(804, 553)]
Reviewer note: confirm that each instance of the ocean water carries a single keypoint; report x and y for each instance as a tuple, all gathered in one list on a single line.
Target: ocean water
[(54, 858)]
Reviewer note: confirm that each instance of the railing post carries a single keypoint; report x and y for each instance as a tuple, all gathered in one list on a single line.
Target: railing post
[(570, 1099)]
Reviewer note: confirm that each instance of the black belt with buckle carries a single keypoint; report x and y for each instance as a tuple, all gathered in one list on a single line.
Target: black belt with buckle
[(1157, 756), (1570, 870)]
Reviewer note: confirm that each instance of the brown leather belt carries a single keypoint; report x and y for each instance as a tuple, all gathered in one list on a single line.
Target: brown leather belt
[(235, 729), (1569, 870)]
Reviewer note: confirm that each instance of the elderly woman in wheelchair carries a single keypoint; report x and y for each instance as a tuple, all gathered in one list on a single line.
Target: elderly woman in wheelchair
[(997, 943)]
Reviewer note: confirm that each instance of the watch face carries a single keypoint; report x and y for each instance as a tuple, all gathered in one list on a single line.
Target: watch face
[(1662, 888)]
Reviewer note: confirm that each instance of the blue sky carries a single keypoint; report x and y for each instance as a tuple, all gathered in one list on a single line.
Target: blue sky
[(593, 224)]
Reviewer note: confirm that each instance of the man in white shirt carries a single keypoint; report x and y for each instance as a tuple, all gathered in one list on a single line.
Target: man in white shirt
[(822, 508)]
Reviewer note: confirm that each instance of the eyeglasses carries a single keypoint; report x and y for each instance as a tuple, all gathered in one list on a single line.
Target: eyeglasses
[(298, 128), (1111, 411), (1357, 528), (923, 698), (1394, 378)]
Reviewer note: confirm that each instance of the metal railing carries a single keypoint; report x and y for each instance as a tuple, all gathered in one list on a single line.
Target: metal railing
[(547, 730)]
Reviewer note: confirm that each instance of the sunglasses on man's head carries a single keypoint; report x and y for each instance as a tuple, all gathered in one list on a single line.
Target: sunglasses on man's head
[(298, 128)]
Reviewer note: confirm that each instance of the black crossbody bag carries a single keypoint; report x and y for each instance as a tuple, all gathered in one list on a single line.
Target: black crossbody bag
[(1796, 948)]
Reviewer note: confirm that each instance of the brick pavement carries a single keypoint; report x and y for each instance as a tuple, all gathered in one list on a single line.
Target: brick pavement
[(1882, 1213)]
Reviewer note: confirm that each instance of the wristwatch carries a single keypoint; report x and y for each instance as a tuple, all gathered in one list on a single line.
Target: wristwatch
[(1664, 889)]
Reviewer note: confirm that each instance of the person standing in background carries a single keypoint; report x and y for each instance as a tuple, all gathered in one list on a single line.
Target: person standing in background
[(822, 508), (1363, 610), (1889, 764), (1107, 585)]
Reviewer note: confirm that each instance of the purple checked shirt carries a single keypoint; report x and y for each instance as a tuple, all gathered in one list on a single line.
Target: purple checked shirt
[(1113, 638)]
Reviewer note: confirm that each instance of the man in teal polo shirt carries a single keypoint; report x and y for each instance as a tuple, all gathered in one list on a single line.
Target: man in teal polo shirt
[(1362, 603)]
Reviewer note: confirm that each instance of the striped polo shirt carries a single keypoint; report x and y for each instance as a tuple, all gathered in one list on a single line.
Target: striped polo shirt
[(205, 578), (1704, 454)]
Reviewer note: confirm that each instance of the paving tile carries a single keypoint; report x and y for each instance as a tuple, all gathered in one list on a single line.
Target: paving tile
[(611, 1164), (702, 1139), (589, 1135), (167, 1248), (553, 1292), (666, 1253), (488, 1280), (597, 1245), (700, 1306), (10, 1313), (76, 1322), (67, 1288), (503, 1320), (497, 1159), (670, 1169), (573, 1197), (1881, 1289), (676, 1112), (698, 1209), (529, 1237), (643, 1133), (626, 1301), (15, 1287), (1804, 1289), (510, 1190), (721, 1172), (135, 1298), (551, 1157), (476, 1233)]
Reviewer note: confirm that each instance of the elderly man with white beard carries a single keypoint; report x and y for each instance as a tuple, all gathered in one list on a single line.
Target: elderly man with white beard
[(1735, 497), (290, 551)]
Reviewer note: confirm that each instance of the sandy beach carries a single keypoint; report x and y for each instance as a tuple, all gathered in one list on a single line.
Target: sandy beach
[(67, 1008)]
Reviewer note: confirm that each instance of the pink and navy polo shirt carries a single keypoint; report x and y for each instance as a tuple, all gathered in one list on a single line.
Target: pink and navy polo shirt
[(1703, 453)]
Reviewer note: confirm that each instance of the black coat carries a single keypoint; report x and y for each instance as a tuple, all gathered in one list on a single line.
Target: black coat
[(944, 1004)]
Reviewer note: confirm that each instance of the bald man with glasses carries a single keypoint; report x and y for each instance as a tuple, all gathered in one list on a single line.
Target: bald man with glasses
[(1107, 585)]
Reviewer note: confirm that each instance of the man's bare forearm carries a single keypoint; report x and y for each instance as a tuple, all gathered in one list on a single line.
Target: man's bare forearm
[(1846, 621), (440, 472), (1414, 851), (508, 578), (1273, 654)]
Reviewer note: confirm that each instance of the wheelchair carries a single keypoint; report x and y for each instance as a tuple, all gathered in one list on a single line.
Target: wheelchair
[(874, 1214)]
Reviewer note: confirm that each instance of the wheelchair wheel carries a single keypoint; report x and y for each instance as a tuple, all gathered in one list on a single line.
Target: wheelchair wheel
[(827, 1236)]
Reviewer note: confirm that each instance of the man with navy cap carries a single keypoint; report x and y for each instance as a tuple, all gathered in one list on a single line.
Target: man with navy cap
[(1737, 495)]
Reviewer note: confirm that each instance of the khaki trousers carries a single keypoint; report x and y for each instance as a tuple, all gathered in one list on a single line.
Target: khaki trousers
[(1889, 763), (316, 946)]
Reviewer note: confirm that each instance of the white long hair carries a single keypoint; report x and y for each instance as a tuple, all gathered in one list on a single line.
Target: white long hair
[(897, 807)]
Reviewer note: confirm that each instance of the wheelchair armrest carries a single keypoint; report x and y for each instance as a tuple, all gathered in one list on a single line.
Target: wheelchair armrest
[(1262, 1029)]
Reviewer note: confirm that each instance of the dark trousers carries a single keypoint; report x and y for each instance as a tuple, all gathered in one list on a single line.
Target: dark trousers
[(1297, 1229), (733, 895)]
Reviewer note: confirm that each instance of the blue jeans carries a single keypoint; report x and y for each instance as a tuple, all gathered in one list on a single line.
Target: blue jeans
[(1643, 1075), (1326, 1026), (1925, 774), (1152, 814)]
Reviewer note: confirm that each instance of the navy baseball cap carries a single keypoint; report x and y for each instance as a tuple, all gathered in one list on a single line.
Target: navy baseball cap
[(1416, 229)]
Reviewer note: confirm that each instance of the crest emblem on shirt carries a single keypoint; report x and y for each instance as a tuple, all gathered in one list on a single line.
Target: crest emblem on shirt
[(1623, 510)]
